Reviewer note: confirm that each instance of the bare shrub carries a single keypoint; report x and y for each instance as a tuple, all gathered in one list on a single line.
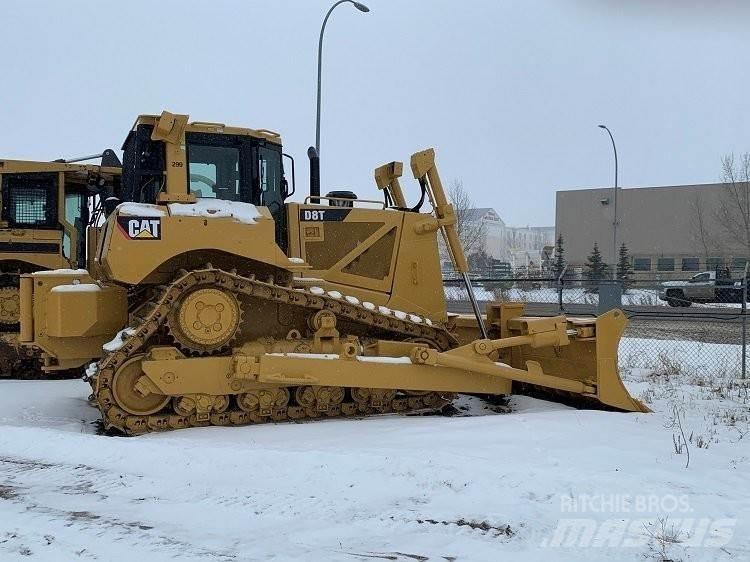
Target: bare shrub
[(678, 436), (663, 536), (647, 396)]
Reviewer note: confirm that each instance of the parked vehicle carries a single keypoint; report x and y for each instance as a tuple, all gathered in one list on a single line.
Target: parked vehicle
[(705, 287)]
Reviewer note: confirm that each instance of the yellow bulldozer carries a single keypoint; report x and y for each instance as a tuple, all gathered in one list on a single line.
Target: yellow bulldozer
[(45, 210), (211, 300)]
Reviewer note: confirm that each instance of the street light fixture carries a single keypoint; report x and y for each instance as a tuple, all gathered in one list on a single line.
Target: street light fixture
[(362, 8), (614, 209)]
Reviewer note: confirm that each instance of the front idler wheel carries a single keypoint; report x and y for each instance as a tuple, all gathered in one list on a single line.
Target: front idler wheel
[(131, 394)]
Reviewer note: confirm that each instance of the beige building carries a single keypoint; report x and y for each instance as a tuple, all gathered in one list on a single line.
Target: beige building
[(671, 230), (524, 245), (494, 229), (519, 246)]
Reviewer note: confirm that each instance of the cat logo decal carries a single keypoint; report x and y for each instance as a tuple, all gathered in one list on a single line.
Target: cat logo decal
[(140, 228)]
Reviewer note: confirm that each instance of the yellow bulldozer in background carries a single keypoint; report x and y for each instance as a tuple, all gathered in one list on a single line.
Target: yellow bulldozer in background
[(46, 209), (211, 300)]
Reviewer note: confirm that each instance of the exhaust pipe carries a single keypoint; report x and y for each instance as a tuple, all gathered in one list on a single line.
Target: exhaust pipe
[(312, 154)]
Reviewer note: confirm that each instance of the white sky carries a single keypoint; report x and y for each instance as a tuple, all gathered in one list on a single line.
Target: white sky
[(509, 93)]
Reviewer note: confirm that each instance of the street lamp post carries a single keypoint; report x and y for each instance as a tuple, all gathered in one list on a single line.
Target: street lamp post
[(614, 210), (362, 8)]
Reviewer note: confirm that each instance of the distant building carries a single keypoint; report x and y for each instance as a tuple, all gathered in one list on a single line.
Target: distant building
[(494, 228), (525, 245), (520, 246), (672, 231)]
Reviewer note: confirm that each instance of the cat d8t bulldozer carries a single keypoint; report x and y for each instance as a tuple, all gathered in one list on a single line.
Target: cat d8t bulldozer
[(46, 208), (217, 302)]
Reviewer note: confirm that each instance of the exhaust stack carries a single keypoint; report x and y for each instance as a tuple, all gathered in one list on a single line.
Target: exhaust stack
[(312, 154)]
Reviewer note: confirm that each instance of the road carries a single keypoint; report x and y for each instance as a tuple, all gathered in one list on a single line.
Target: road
[(697, 323)]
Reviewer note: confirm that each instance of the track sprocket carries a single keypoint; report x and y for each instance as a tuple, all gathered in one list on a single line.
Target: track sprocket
[(205, 320)]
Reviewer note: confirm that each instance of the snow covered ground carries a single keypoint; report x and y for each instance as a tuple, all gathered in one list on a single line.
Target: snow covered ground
[(535, 481)]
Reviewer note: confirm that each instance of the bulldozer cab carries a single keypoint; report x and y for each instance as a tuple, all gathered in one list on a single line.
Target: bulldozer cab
[(45, 211), (215, 162)]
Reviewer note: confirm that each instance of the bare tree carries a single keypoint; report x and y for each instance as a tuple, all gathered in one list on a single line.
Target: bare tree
[(701, 226), (734, 208), (472, 232)]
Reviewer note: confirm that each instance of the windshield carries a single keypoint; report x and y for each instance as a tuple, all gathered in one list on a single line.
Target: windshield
[(214, 171)]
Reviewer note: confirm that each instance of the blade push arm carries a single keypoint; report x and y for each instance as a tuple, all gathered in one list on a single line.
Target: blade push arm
[(425, 172)]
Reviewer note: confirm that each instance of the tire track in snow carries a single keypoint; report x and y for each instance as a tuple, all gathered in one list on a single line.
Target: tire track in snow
[(77, 497)]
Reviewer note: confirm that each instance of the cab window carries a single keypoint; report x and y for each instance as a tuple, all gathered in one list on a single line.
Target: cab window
[(269, 179), (73, 208), (30, 200), (74, 216), (269, 171), (214, 171)]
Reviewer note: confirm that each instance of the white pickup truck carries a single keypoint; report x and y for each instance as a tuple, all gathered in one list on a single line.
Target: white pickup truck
[(704, 287)]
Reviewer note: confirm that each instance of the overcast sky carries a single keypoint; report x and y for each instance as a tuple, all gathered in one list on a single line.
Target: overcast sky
[(509, 93)]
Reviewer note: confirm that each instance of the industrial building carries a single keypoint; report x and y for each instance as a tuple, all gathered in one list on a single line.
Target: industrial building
[(670, 231)]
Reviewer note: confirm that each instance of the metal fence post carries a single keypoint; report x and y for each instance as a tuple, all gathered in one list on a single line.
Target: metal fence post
[(744, 323), (560, 283)]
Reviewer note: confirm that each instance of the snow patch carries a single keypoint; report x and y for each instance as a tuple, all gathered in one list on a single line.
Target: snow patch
[(296, 260), (77, 288), (317, 291), (327, 356), (92, 369), (61, 272), (383, 359), (216, 209), (333, 356), (416, 319), (140, 210), (400, 314), (352, 300), (384, 310), (334, 294), (119, 340), (368, 305)]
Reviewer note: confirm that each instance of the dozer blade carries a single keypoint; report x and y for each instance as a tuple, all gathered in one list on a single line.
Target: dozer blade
[(610, 388), (589, 357), (562, 358)]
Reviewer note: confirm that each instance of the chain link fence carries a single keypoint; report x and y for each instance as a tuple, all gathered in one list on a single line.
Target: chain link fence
[(677, 325)]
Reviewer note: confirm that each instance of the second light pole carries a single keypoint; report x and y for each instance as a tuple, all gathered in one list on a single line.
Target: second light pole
[(362, 8), (614, 210)]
